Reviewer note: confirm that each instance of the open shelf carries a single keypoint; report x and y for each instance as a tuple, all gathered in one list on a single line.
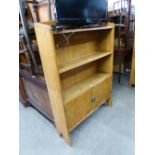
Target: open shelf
[(83, 86), (82, 61), (83, 29)]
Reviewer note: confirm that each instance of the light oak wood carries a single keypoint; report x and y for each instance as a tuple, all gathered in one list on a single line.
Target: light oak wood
[(80, 45), (84, 29), (76, 90), (78, 71), (82, 61), (47, 53), (102, 91), (92, 111), (78, 98), (109, 102), (77, 75)]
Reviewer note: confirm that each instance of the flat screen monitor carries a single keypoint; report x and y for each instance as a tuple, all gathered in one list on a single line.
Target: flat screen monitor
[(81, 11)]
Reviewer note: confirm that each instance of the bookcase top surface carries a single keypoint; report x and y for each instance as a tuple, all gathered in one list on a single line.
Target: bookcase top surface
[(48, 25), (83, 29)]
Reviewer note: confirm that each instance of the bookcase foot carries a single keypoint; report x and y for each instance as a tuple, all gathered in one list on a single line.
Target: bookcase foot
[(109, 101)]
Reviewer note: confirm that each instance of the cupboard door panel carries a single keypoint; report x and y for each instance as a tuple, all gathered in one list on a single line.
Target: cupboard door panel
[(102, 91), (78, 108), (79, 115)]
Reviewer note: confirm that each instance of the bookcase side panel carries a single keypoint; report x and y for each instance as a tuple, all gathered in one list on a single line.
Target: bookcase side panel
[(47, 54), (106, 65)]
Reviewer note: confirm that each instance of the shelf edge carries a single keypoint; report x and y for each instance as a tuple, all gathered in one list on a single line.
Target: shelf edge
[(84, 63)]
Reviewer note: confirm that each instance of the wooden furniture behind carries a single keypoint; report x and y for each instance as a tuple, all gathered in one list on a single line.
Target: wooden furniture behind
[(34, 92), (27, 33), (32, 85), (122, 16), (42, 10), (132, 73), (78, 66), (120, 51)]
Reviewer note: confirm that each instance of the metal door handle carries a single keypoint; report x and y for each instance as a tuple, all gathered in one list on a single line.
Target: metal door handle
[(93, 99)]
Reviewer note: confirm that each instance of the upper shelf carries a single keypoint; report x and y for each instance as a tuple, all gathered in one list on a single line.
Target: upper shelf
[(82, 61), (83, 29)]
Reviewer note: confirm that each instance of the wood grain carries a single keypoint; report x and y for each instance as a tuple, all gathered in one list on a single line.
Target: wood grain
[(78, 98), (83, 29), (42, 11), (22, 93), (38, 95), (47, 53), (82, 61), (78, 72)]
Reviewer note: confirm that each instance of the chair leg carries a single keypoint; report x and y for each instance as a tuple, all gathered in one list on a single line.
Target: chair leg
[(124, 71), (119, 75)]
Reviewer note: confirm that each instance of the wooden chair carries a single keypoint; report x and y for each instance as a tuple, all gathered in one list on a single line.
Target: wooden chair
[(42, 11), (121, 54), (121, 18)]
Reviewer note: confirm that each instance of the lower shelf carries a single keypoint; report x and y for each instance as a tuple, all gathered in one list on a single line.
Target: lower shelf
[(81, 87)]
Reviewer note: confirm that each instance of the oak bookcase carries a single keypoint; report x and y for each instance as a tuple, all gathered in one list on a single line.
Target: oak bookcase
[(77, 65)]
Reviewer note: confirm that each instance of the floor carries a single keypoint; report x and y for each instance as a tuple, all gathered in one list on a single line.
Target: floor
[(108, 131)]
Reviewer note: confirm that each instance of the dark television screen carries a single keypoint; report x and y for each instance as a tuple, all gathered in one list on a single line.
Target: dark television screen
[(80, 11)]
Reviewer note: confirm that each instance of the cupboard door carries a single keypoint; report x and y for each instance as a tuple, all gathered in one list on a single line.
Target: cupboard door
[(78, 108), (102, 92)]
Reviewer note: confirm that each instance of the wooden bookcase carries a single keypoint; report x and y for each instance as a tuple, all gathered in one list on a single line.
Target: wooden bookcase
[(78, 71)]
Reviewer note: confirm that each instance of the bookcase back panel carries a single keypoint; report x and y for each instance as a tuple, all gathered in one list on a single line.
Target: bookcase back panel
[(76, 75), (105, 65), (80, 45)]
